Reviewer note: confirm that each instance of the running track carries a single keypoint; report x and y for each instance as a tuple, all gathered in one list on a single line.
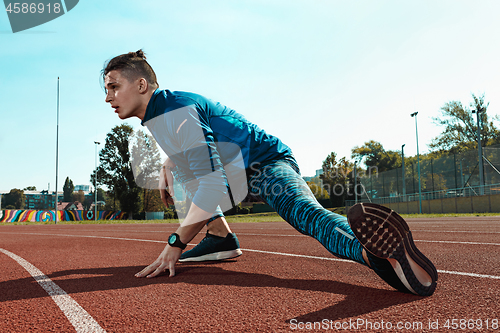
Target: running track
[(80, 278)]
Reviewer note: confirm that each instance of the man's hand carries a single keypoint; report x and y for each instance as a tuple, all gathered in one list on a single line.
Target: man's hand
[(195, 221), (166, 183), (166, 260)]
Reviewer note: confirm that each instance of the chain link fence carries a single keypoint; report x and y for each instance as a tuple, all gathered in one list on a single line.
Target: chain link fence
[(449, 176)]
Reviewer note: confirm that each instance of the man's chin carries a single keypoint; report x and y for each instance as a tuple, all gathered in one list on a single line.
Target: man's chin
[(123, 116)]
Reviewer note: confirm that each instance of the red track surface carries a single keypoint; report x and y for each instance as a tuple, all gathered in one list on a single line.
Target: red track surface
[(256, 292)]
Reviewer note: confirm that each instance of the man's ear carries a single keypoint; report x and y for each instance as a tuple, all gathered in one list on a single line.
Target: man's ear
[(143, 85)]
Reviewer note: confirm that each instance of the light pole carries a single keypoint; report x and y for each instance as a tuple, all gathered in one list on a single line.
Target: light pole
[(57, 149), (95, 180), (414, 114), (479, 151), (355, 183), (403, 167)]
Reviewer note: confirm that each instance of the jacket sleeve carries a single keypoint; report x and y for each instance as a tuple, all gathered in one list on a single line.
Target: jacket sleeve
[(195, 149)]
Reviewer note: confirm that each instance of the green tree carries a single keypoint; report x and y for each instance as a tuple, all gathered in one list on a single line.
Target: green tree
[(115, 170), (337, 179), (101, 194), (152, 201), (460, 127), (87, 202), (78, 196), (15, 199), (68, 189), (111, 202), (30, 188), (376, 157), (319, 192), (146, 164)]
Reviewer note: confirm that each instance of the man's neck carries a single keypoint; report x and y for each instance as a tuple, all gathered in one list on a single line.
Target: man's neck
[(147, 98)]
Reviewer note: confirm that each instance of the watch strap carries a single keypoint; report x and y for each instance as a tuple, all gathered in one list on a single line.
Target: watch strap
[(177, 242)]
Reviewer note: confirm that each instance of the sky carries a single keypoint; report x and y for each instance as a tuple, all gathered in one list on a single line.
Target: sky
[(323, 76)]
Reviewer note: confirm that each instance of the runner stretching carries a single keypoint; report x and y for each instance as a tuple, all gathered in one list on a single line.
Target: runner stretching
[(210, 147)]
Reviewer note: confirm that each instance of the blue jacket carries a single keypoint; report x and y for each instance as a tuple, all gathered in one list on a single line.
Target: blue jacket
[(209, 142)]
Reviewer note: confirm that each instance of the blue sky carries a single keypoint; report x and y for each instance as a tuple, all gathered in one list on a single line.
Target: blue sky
[(322, 75)]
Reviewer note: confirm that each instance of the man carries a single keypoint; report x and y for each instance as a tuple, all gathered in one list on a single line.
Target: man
[(210, 147)]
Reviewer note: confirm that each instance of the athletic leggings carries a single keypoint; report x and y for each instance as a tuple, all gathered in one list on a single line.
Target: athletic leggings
[(282, 187), (279, 184)]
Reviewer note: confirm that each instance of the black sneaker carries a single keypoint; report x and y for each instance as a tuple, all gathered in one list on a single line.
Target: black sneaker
[(391, 252), (213, 248)]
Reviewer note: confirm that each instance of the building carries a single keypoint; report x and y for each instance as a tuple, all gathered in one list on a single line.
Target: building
[(45, 200), (84, 188), (70, 206), (318, 173), (41, 200)]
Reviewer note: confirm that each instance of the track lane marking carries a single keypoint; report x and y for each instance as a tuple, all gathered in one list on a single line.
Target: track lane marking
[(456, 242), (81, 320), (353, 262), (470, 274), (457, 231), (273, 235), (279, 253), (300, 255)]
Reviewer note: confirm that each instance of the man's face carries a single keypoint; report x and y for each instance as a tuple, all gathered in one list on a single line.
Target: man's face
[(123, 96)]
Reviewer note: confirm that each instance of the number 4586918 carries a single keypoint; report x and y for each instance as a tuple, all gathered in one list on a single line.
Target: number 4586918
[(33, 8), (471, 324)]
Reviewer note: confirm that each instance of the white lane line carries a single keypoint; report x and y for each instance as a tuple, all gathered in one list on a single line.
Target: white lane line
[(276, 253), (437, 230), (415, 240), (301, 235), (299, 255), (276, 235), (78, 317), (353, 262), (157, 241), (203, 233), (89, 236), (455, 242), (471, 274)]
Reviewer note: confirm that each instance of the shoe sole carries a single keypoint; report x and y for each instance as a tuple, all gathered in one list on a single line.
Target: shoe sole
[(385, 234), (215, 256)]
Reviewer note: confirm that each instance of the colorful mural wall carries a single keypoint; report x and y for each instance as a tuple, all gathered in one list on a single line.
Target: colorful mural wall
[(14, 215)]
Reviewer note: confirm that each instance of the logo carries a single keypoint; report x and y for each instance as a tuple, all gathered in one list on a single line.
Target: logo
[(26, 15)]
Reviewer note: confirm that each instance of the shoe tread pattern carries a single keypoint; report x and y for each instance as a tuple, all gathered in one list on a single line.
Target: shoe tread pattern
[(385, 234)]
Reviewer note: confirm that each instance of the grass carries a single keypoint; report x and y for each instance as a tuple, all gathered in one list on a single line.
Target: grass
[(260, 217), (246, 218)]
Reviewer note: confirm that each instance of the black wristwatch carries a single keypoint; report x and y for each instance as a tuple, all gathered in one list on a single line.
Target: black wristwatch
[(175, 240)]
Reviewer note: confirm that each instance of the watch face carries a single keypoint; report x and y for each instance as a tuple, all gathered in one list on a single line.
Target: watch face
[(172, 238)]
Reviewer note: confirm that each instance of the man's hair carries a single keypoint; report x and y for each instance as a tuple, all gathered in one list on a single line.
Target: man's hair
[(132, 65)]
